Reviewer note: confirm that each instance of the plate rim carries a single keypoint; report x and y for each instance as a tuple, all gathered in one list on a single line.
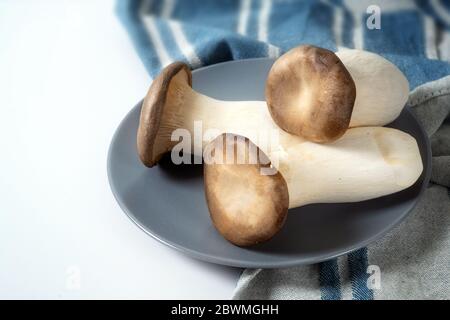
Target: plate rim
[(282, 264)]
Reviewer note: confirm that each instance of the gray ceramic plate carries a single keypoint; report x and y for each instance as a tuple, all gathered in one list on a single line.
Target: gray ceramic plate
[(168, 202)]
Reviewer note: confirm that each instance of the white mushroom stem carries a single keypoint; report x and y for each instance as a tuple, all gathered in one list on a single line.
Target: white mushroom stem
[(185, 108), (365, 163), (381, 88)]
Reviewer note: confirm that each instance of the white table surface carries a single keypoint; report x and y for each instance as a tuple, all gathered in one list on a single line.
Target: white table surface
[(68, 75)]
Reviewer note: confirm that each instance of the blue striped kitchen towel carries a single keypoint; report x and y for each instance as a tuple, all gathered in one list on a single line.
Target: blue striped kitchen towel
[(413, 260)]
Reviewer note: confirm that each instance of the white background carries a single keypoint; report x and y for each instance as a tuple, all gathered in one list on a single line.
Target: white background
[(68, 75)]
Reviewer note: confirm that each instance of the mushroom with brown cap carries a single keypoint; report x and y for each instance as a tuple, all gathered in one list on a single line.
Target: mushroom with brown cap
[(368, 162), (311, 94), (381, 88), (246, 207), (151, 143), (171, 103)]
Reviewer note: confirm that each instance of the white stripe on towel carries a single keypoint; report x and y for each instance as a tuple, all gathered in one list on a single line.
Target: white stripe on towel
[(337, 26), (430, 38), (357, 10), (273, 51), (167, 9), (160, 49), (263, 26), (244, 13), (358, 40), (440, 10), (264, 14), (184, 45), (338, 23), (444, 46)]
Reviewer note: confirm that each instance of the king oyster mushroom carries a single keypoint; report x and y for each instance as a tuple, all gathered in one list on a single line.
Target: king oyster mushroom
[(247, 206), (171, 103)]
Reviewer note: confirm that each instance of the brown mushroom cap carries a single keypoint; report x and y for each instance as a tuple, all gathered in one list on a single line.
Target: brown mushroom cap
[(149, 148), (246, 207), (310, 93)]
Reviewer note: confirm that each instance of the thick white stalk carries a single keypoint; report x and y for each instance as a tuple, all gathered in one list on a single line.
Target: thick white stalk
[(381, 88), (365, 163)]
